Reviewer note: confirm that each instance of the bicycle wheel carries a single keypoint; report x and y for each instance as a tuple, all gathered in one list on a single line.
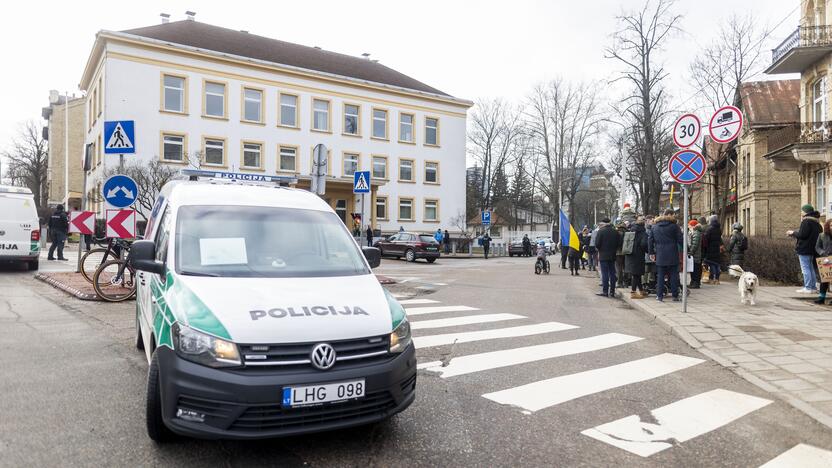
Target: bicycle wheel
[(114, 281), (91, 260)]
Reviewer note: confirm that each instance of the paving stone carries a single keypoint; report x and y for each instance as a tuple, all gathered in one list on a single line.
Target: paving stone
[(811, 355), (794, 384), (825, 363), (788, 359), (817, 378), (742, 339), (814, 395), (756, 366), (738, 358), (754, 347), (703, 337), (722, 345), (793, 348), (801, 368)]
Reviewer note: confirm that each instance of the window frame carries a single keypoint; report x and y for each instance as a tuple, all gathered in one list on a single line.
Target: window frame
[(412, 209), (344, 161), (344, 119), (224, 141), (205, 114), (820, 190), (412, 128), (328, 115), (822, 100), (243, 89), (438, 126), (386, 208), (185, 92), (100, 94), (412, 180), (386, 124), (425, 172), (280, 110), (425, 218), (328, 161), (262, 145), (278, 168), (373, 167), (184, 137)]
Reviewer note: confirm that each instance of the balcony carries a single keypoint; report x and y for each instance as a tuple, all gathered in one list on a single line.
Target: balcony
[(805, 46), (793, 145)]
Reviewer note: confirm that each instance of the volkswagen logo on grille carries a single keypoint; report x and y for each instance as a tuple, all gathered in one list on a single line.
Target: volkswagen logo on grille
[(323, 356)]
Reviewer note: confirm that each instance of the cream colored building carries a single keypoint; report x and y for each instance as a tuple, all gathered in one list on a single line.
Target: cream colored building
[(54, 132), (808, 51)]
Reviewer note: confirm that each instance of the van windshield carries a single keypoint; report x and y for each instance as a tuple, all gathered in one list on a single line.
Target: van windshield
[(235, 241)]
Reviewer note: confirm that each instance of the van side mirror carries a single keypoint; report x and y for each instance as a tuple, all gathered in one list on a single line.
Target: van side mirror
[(373, 256), (143, 257)]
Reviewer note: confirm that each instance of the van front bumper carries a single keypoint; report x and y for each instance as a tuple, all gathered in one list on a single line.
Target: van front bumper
[(246, 403)]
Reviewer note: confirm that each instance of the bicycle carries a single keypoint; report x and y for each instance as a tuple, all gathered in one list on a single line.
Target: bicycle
[(94, 258), (541, 265), (115, 280)]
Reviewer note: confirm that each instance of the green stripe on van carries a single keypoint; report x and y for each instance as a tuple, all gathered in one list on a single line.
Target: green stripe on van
[(185, 304)]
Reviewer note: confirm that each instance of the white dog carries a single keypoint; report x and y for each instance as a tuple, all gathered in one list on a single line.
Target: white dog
[(747, 284)]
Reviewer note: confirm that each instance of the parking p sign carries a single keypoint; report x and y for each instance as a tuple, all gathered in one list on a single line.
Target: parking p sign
[(486, 218)]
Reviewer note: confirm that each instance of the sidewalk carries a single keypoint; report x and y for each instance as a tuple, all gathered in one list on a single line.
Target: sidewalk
[(783, 344)]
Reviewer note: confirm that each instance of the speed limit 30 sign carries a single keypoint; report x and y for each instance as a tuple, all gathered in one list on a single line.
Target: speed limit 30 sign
[(686, 130)]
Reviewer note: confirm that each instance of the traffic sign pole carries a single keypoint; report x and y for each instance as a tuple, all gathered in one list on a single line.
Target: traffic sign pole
[(685, 250)]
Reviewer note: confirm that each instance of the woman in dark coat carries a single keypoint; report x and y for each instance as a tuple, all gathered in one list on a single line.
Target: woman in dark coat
[(712, 249), (737, 245), (634, 261)]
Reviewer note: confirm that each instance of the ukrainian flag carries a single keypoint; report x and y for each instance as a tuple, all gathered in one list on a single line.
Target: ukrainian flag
[(567, 232)]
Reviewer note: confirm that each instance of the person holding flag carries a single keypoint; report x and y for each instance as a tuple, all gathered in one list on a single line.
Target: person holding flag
[(570, 244)]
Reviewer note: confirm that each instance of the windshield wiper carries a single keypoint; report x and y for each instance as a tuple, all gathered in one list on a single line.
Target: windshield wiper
[(198, 273)]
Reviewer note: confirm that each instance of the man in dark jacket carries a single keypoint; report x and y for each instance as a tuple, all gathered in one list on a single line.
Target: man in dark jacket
[(527, 246), (634, 261), (806, 238), (665, 245), (369, 236), (486, 244), (737, 245), (58, 229), (607, 242), (446, 239), (712, 249), (695, 250)]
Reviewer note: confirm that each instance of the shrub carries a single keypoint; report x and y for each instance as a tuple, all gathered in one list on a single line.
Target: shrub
[(773, 259)]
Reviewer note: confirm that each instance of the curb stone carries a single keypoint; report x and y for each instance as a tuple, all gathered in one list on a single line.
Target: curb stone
[(684, 335), (65, 288)]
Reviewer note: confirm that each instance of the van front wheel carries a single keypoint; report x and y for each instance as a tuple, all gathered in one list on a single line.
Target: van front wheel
[(156, 428)]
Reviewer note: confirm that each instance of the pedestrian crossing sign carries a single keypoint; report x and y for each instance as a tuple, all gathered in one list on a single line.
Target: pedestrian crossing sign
[(119, 136), (361, 182)]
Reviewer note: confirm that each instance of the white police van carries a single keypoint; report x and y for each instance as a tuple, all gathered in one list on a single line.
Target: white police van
[(19, 227), (260, 317)]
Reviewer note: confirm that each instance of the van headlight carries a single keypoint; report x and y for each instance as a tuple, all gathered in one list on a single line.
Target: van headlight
[(400, 338), (204, 349)]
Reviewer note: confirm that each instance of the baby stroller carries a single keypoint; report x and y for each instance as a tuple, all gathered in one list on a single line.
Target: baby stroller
[(541, 264)]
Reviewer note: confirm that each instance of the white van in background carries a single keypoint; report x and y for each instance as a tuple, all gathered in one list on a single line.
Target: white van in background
[(19, 227)]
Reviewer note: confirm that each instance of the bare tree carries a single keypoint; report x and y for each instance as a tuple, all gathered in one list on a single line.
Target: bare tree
[(28, 161), (495, 128), (636, 46)]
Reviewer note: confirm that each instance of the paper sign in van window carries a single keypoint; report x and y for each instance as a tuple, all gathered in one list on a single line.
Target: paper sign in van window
[(223, 251)]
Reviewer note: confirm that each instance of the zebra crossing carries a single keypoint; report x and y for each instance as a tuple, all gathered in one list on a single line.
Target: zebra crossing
[(665, 427)]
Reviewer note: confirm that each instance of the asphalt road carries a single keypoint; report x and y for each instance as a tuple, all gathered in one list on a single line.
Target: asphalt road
[(73, 385)]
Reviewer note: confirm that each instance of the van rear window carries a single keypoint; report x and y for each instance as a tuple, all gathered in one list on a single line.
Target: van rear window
[(17, 208)]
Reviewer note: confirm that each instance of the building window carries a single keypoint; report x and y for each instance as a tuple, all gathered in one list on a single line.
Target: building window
[(352, 119), (405, 209), (405, 170), (406, 128), (214, 151), (820, 190), (431, 172), (288, 159), (173, 148), (288, 110), (380, 124), (431, 131), (431, 210), (173, 99), (251, 155), (819, 102), (379, 167), (341, 209), (381, 208), (350, 164), (320, 115), (214, 99), (100, 94), (252, 105)]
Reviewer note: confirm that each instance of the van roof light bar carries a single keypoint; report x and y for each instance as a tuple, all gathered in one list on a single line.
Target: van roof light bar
[(196, 174)]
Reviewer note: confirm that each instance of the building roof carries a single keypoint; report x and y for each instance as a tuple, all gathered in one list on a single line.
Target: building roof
[(243, 44), (770, 103)]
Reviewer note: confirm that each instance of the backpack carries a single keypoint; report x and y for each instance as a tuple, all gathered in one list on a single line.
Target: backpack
[(744, 244), (629, 243)]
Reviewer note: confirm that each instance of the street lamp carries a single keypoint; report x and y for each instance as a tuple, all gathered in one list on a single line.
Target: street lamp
[(595, 208)]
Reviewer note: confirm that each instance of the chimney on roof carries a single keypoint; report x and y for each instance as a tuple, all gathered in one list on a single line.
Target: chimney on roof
[(190, 15), (165, 18), (366, 55)]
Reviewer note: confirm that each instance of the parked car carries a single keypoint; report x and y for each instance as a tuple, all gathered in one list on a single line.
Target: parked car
[(548, 244), (19, 227), (410, 245), (516, 248)]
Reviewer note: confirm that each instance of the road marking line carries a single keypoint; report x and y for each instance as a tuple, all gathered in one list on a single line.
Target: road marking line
[(680, 421), (509, 357), (418, 301), (400, 295), (466, 337), (802, 455), (466, 320), (438, 309), (545, 393)]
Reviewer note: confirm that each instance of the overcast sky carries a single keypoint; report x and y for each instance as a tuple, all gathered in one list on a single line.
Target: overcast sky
[(470, 49)]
